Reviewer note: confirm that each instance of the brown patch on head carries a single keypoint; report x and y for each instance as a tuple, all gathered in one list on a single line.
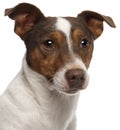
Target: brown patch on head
[(49, 54), (42, 63), (77, 33), (82, 46)]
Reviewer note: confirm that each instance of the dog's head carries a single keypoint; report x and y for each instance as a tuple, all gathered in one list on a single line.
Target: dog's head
[(59, 48)]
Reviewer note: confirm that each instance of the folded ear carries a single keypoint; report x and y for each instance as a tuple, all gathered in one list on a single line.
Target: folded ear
[(25, 16), (94, 21)]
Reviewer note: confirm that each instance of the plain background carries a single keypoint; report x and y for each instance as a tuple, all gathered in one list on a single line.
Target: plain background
[(99, 104)]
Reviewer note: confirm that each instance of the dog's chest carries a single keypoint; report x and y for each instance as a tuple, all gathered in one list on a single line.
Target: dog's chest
[(60, 112)]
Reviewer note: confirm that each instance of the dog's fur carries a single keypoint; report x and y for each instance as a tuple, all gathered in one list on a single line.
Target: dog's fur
[(43, 96)]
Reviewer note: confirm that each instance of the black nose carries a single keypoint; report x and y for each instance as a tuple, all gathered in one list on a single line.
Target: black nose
[(75, 78)]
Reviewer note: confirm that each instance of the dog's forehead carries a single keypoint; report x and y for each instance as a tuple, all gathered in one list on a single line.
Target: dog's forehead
[(63, 25)]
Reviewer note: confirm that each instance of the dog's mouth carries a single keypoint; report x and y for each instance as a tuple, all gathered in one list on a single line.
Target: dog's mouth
[(50, 79), (72, 91), (63, 88)]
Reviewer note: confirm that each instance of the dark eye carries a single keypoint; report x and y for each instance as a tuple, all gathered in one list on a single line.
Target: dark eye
[(48, 45), (84, 43)]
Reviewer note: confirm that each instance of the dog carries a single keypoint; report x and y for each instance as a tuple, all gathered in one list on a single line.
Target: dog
[(44, 94)]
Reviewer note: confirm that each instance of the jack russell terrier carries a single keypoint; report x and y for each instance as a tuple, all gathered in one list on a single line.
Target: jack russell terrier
[(44, 95)]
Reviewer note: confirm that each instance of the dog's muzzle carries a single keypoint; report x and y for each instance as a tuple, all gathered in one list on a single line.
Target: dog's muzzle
[(72, 78)]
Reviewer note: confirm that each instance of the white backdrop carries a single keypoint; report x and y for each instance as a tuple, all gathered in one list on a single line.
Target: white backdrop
[(99, 104)]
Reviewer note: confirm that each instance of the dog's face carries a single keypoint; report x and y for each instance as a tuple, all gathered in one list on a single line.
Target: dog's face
[(60, 48)]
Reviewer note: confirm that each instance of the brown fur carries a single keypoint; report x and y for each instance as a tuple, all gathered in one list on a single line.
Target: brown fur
[(36, 29), (47, 61), (84, 52)]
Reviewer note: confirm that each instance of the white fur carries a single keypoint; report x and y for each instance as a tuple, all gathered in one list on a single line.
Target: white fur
[(28, 104), (64, 25)]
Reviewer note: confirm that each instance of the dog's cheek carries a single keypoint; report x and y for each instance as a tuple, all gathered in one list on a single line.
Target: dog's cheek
[(51, 64), (46, 65)]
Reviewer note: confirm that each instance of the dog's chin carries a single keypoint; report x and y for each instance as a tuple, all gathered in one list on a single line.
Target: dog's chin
[(67, 91), (71, 92)]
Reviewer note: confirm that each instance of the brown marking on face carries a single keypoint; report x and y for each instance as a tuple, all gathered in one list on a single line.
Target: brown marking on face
[(58, 38), (82, 51), (46, 60), (42, 63), (77, 33)]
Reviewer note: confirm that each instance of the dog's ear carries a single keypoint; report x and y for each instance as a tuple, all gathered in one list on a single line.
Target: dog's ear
[(94, 21), (25, 16)]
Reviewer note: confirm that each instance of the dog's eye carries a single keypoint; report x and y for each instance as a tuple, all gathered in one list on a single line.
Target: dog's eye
[(84, 43), (48, 45)]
